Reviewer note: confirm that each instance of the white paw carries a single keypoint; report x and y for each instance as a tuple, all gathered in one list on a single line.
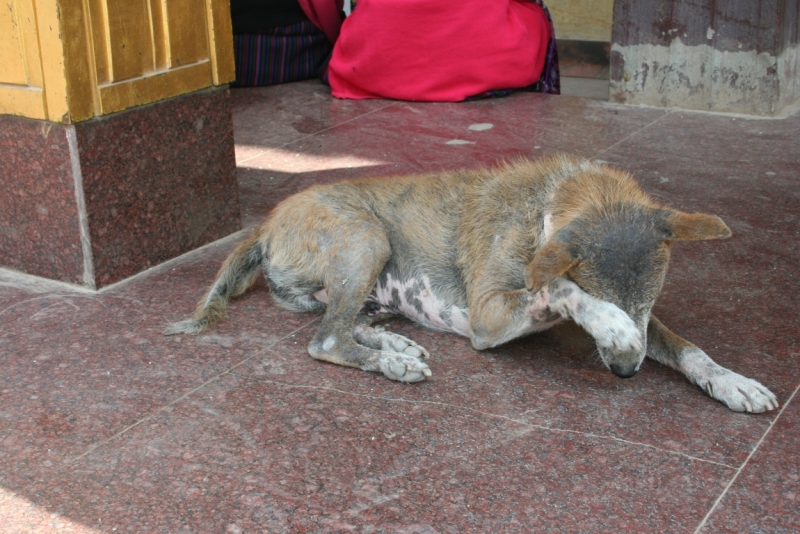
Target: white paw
[(397, 343), (739, 393), (611, 327), (402, 367)]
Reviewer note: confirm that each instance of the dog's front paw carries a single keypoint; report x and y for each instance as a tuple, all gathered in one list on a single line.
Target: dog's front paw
[(739, 393), (611, 327), (402, 367)]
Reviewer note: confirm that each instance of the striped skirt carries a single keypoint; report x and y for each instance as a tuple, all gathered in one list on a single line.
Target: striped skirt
[(280, 55)]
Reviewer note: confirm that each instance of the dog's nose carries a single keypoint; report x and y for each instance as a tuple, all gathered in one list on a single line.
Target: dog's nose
[(623, 371)]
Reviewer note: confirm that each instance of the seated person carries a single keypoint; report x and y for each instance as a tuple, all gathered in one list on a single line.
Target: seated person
[(443, 50), (423, 50), (275, 41)]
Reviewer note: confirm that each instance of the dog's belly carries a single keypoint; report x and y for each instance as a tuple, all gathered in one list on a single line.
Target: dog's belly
[(415, 299)]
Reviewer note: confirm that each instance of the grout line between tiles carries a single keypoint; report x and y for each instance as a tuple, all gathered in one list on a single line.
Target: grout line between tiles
[(744, 464), (491, 415), (240, 163), (646, 126), (192, 391), (65, 297)]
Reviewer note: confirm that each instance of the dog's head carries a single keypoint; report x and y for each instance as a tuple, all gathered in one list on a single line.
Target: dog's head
[(619, 253)]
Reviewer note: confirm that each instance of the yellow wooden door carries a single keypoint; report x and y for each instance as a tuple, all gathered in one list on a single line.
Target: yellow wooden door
[(21, 84), (70, 60)]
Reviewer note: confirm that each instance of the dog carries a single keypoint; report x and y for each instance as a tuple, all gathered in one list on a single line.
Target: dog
[(490, 254)]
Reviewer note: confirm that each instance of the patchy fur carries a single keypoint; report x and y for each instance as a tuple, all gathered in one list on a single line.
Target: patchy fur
[(491, 254)]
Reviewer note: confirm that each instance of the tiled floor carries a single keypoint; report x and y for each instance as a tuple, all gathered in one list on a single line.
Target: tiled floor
[(108, 426)]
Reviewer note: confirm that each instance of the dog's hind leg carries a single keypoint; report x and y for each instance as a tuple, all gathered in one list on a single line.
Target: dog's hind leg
[(361, 253), (737, 392)]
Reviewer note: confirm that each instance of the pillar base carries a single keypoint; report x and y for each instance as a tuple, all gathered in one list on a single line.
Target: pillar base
[(727, 57), (101, 200)]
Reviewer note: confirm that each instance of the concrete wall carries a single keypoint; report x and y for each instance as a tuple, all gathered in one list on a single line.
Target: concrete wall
[(740, 56)]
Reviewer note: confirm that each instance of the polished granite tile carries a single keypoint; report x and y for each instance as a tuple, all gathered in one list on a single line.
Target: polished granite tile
[(407, 138), (551, 380), (19, 515), (765, 497), (245, 455), (39, 223), (270, 117), (105, 424), (439, 135), (157, 188), (80, 367), (149, 189), (750, 152)]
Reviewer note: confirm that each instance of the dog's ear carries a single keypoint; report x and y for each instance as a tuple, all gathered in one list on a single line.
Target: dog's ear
[(550, 261), (695, 227)]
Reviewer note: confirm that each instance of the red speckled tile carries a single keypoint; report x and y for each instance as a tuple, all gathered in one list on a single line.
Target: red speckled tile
[(155, 191), (249, 456), (39, 230), (407, 138), (105, 424), (270, 117), (153, 188), (551, 380), (483, 131), (80, 367), (766, 495)]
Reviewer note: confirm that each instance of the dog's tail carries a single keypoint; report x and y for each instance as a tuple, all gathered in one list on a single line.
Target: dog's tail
[(236, 275)]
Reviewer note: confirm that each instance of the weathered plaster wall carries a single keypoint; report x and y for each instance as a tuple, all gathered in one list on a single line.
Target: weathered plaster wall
[(695, 77), (737, 56)]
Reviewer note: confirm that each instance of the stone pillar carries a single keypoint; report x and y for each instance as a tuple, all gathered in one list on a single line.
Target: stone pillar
[(116, 135), (739, 56)]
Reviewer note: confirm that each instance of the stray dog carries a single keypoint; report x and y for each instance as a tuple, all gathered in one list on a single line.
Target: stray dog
[(491, 254)]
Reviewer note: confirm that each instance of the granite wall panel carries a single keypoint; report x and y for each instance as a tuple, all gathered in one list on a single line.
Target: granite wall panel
[(157, 181), (39, 227)]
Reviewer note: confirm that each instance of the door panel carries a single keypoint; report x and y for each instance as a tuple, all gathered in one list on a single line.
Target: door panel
[(104, 56), (20, 67)]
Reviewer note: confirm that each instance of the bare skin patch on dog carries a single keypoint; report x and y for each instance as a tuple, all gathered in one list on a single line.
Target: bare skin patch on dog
[(416, 300)]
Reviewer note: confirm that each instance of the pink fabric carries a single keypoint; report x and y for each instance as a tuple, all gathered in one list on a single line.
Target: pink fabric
[(440, 50), (325, 15)]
